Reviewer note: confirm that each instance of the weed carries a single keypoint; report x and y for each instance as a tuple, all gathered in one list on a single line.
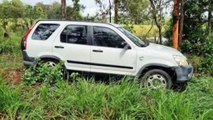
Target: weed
[(43, 73)]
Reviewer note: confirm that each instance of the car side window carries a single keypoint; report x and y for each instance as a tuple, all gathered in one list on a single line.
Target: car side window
[(74, 34), (44, 31), (106, 37)]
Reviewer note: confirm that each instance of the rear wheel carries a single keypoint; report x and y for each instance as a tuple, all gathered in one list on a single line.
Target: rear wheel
[(156, 78), (51, 63)]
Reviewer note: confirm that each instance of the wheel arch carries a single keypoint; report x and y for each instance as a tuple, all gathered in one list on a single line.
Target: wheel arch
[(170, 70), (46, 57), (51, 57)]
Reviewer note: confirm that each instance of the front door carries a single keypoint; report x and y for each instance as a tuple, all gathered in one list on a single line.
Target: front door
[(108, 54)]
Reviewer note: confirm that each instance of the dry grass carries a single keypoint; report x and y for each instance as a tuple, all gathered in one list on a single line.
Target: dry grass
[(146, 30)]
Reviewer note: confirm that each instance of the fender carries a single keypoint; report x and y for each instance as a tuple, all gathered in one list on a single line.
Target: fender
[(149, 65), (45, 57), (49, 57)]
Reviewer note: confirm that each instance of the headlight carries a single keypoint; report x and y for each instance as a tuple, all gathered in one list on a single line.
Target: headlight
[(181, 61)]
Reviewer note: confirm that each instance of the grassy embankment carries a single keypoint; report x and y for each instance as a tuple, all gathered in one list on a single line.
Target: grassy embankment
[(89, 100)]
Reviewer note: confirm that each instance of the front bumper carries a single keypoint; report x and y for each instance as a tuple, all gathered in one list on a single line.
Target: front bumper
[(184, 74)]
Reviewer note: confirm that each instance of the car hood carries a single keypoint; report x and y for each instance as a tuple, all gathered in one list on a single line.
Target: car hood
[(161, 49)]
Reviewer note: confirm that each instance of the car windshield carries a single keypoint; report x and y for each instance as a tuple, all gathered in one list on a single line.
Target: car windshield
[(133, 38)]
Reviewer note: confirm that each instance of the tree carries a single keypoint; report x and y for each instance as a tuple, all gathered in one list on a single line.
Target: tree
[(74, 12), (63, 9), (110, 11), (10, 10), (54, 11), (157, 7), (196, 25), (33, 13), (116, 4), (103, 11), (210, 16), (131, 11), (5, 13), (125, 10)]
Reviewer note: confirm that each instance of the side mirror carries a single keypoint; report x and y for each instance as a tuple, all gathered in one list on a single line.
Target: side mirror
[(125, 45)]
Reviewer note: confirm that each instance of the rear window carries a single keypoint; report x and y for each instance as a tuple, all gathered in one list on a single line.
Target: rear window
[(74, 34), (44, 31)]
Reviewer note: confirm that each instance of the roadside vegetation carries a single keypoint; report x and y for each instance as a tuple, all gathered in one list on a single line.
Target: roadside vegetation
[(86, 99)]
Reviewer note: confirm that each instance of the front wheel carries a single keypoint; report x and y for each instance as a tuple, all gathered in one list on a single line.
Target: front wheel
[(156, 78)]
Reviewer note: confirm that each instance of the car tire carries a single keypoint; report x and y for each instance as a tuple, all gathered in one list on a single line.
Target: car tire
[(156, 78), (53, 63), (179, 87)]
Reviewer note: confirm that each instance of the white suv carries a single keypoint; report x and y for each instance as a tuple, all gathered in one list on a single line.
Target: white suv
[(104, 48)]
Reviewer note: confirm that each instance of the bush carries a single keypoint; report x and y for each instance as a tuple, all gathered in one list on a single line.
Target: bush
[(206, 61), (206, 66), (196, 62), (43, 73)]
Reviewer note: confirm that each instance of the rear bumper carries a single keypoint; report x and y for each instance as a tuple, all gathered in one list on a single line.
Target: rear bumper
[(184, 74), (28, 61)]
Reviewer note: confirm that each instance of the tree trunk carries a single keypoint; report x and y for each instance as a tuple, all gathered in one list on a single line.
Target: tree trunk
[(176, 24), (110, 13), (181, 23), (160, 34), (116, 10), (155, 17), (210, 10), (63, 9)]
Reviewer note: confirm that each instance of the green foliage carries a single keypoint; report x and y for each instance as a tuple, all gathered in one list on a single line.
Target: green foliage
[(43, 73), (169, 105), (206, 66), (147, 30), (207, 47), (34, 12), (196, 38), (10, 45), (133, 11), (122, 100), (197, 34), (200, 93), (10, 100), (10, 62), (11, 9)]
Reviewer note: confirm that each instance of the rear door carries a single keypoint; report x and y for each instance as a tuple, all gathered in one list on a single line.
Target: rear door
[(73, 48), (40, 41), (108, 55)]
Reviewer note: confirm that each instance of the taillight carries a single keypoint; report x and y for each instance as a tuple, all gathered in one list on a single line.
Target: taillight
[(25, 38)]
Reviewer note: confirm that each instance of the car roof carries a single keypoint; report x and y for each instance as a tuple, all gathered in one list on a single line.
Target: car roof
[(78, 22)]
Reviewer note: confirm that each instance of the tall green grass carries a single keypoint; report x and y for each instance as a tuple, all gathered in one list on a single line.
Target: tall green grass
[(86, 99), (12, 44), (10, 100)]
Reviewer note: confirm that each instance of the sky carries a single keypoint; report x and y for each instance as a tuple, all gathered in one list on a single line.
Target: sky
[(90, 5)]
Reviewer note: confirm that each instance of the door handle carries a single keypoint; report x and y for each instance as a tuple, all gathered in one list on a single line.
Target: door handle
[(97, 51), (62, 47)]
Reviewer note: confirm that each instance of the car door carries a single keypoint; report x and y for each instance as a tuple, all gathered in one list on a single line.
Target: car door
[(110, 54), (72, 47), (40, 42)]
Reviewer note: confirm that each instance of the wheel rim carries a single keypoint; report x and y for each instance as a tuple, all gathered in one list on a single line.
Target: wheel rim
[(156, 81), (51, 64)]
